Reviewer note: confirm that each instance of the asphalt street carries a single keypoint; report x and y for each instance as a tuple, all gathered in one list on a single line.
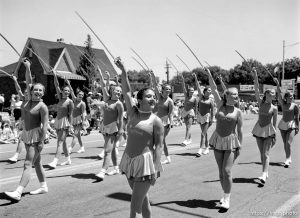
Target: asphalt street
[(188, 187)]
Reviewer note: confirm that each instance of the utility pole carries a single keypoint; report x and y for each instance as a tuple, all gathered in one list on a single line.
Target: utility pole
[(167, 67), (283, 51)]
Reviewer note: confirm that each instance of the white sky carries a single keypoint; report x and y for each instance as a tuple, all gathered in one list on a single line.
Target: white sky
[(212, 28)]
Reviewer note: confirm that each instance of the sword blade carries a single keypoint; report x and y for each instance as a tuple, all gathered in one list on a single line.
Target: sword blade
[(172, 64), (10, 45), (5, 73), (140, 64), (190, 50), (140, 58), (95, 35), (184, 63)]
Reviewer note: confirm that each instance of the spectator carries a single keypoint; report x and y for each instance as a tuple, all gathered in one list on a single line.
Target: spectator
[(1, 102)]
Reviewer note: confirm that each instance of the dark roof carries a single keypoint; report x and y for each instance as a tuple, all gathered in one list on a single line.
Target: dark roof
[(8, 69), (50, 52)]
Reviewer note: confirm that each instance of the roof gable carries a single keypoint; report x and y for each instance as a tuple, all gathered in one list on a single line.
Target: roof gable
[(51, 53)]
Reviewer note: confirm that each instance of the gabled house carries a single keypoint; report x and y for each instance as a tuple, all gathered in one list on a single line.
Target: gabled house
[(59, 56)]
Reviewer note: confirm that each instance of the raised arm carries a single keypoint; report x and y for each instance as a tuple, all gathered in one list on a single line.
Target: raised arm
[(18, 88), (28, 77), (278, 91), (222, 83), (125, 86), (103, 86), (200, 94), (107, 79), (117, 81), (152, 77), (183, 86), (214, 89), (256, 87), (71, 90), (56, 84)]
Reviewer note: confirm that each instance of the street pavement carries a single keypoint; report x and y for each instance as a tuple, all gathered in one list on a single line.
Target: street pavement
[(188, 187)]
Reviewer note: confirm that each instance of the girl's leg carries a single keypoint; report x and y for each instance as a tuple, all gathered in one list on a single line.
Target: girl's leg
[(39, 170), (290, 137), (219, 156), (227, 177), (30, 153), (64, 142), (139, 200), (260, 145), (166, 151), (226, 168), (18, 151), (284, 139), (266, 154)]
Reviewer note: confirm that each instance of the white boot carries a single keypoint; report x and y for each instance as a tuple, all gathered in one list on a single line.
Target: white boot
[(53, 163)]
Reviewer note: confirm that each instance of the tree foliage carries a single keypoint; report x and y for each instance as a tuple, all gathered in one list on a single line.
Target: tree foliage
[(86, 68), (241, 73)]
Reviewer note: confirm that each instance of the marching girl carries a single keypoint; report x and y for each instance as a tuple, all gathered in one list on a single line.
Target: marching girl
[(165, 106), (188, 113), (24, 98), (205, 116), (112, 126), (63, 122), (289, 123), (35, 114), (227, 138), (79, 117), (141, 159), (265, 128)]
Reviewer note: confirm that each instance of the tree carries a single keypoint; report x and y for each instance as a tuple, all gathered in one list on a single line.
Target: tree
[(86, 68)]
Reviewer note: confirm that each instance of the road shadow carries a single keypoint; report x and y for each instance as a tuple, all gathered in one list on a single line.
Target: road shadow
[(276, 164), (246, 180), (120, 196), (90, 157), (195, 203), (258, 163), (208, 181), (187, 154), (180, 145), (11, 201)]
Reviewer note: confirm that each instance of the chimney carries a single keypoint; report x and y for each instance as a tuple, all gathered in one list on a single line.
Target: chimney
[(60, 40)]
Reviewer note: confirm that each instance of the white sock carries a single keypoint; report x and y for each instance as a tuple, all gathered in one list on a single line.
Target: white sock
[(16, 155), (43, 184), (55, 160), (168, 158), (69, 158), (20, 189), (116, 167), (227, 196), (265, 174)]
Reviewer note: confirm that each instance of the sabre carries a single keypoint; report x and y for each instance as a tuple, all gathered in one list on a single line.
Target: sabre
[(190, 50), (95, 35), (140, 64), (207, 64), (140, 58), (10, 45), (243, 59), (268, 71), (172, 64), (41, 59), (83, 55), (7, 74), (184, 63)]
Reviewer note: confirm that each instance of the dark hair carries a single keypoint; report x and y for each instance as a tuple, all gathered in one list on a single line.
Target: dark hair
[(265, 93), (287, 94), (140, 94)]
